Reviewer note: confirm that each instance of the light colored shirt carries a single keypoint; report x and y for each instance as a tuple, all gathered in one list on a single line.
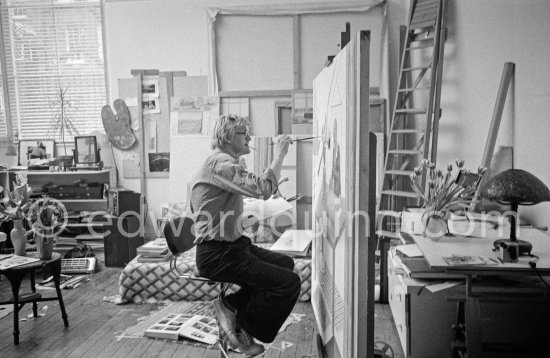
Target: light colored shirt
[(217, 211)]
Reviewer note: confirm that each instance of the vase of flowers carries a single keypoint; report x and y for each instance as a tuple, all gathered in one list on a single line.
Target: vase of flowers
[(13, 207), (444, 192), (48, 218)]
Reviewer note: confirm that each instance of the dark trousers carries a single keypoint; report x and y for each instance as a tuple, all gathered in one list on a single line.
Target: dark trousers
[(269, 287)]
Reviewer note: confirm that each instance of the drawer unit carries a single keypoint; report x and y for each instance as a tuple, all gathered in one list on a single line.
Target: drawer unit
[(423, 319)]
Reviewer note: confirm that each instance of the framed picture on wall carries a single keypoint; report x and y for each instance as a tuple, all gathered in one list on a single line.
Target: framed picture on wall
[(34, 150)]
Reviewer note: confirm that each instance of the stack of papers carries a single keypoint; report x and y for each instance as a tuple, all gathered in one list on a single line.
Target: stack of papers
[(9, 261), (294, 243), (464, 260), (153, 251)]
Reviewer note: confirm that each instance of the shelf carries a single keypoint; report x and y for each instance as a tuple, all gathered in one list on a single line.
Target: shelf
[(69, 173)]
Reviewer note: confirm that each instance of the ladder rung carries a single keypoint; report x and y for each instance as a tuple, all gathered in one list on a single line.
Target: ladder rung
[(421, 37), (407, 131), (410, 89), (409, 69), (395, 214), (399, 172), (419, 47), (420, 25), (385, 233), (411, 110), (406, 194), (404, 151)]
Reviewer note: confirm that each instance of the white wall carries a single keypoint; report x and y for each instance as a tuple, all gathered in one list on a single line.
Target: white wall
[(171, 35), (483, 35)]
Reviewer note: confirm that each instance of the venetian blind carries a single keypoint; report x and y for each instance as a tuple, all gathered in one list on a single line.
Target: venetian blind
[(53, 46)]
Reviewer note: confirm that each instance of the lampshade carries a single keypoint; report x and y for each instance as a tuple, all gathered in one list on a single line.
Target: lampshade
[(515, 187)]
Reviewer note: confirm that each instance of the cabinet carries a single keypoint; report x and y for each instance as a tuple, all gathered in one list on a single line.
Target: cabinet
[(123, 237), (423, 319), (78, 229), (37, 180)]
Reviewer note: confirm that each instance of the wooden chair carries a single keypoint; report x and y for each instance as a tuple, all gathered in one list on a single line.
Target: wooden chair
[(180, 239)]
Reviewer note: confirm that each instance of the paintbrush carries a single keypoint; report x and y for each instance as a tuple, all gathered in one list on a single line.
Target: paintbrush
[(298, 140)]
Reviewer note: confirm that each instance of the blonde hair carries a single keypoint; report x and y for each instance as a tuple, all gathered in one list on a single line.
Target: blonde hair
[(224, 129)]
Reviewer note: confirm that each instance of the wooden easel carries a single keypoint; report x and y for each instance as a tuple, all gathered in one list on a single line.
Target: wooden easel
[(142, 153)]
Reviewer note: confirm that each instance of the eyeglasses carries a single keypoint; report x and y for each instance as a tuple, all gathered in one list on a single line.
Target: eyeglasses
[(246, 134)]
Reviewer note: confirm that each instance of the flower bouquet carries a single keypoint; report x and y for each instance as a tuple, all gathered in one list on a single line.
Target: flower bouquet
[(13, 207), (48, 217), (443, 193)]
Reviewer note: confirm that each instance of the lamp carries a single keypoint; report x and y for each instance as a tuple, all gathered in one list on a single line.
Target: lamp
[(515, 187)]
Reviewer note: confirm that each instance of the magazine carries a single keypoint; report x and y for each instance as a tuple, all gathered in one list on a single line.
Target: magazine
[(9, 261), (196, 327), (463, 260)]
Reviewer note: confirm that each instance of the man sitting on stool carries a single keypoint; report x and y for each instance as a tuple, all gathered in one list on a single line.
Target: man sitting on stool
[(269, 287)]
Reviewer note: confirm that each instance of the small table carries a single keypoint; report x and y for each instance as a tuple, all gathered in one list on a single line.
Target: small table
[(16, 274)]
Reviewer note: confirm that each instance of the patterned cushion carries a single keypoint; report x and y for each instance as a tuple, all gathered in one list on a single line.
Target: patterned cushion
[(154, 281)]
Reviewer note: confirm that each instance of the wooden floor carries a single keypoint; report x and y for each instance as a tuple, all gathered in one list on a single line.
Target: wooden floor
[(95, 327)]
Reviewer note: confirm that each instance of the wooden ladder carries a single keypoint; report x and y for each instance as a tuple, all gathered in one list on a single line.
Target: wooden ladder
[(415, 120)]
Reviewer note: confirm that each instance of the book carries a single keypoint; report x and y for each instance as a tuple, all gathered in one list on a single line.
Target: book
[(196, 327), (157, 247), (294, 243), (465, 260)]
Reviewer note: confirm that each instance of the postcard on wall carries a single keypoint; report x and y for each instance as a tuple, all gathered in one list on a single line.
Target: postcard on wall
[(152, 135), (159, 162), (150, 105), (185, 103), (150, 88), (186, 122)]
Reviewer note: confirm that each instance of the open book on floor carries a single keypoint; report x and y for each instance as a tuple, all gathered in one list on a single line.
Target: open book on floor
[(196, 327), (294, 243)]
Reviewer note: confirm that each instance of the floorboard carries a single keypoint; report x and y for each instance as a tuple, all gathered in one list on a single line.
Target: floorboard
[(96, 326)]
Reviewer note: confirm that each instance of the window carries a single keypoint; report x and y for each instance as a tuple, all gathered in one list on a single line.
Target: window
[(51, 46)]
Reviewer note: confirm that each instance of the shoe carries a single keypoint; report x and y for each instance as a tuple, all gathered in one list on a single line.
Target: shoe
[(226, 320), (247, 345)]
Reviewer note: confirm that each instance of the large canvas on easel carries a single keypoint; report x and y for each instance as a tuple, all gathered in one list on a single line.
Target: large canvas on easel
[(339, 252)]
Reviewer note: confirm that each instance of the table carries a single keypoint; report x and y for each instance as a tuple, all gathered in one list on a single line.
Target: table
[(434, 251), (16, 274)]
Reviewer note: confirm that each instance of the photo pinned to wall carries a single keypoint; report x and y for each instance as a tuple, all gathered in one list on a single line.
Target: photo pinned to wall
[(152, 135), (150, 88), (186, 103), (302, 106), (159, 162), (35, 151), (186, 122), (150, 105)]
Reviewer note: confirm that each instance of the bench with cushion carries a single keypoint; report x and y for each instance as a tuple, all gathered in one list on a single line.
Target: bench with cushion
[(155, 281)]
